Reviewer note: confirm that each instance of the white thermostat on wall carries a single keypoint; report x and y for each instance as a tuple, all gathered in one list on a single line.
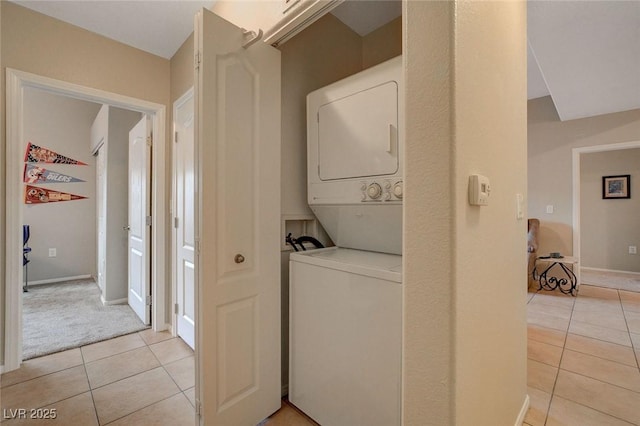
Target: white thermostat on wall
[(479, 190)]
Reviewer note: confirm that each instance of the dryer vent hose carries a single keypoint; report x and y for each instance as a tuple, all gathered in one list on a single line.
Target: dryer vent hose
[(295, 242)]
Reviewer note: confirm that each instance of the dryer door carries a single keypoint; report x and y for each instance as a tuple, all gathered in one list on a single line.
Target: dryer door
[(358, 134)]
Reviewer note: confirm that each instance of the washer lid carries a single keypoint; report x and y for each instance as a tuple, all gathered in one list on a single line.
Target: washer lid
[(377, 265)]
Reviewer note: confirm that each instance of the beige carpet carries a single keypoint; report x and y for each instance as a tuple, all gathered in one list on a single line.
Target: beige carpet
[(617, 280), (61, 316)]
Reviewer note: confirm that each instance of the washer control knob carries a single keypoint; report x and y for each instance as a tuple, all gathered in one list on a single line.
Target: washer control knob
[(374, 191), (397, 189)]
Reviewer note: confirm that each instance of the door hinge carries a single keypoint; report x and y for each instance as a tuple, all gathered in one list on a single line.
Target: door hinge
[(149, 220), (176, 308), (198, 407), (197, 60), (175, 136), (175, 222), (148, 301), (197, 241), (149, 141)]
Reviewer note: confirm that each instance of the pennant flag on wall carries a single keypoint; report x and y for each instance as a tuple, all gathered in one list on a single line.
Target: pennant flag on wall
[(35, 195), (37, 154), (37, 174)]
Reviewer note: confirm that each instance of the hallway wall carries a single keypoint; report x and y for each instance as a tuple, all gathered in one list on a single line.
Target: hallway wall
[(550, 142), (36, 43), (62, 125)]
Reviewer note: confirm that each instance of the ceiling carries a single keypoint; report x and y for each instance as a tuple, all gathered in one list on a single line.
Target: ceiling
[(585, 54), (588, 53), (155, 26)]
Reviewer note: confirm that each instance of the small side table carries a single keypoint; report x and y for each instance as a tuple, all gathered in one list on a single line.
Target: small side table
[(563, 278)]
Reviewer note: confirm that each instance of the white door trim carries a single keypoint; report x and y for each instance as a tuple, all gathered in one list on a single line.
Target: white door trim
[(16, 81), (189, 94), (576, 152)]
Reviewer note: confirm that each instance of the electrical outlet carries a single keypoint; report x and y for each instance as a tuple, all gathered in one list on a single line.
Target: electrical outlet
[(633, 250), (52, 252)]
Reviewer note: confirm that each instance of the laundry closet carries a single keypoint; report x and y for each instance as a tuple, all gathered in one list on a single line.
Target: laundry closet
[(342, 105), (321, 54)]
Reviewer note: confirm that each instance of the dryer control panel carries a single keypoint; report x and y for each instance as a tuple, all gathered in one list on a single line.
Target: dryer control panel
[(381, 190)]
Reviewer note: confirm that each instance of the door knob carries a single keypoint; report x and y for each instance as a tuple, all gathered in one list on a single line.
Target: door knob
[(126, 228), (239, 258)]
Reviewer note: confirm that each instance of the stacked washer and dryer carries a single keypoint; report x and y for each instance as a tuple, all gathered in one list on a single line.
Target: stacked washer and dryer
[(346, 301)]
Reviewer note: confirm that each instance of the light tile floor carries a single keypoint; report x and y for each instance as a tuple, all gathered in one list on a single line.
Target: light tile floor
[(583, 358), (144, 378), (582, 370)]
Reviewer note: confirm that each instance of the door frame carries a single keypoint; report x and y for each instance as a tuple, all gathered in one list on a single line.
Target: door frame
[(16, 81), (189, 93), (576, 153)]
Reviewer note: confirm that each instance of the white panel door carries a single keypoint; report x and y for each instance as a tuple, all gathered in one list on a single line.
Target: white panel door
[(184, 218), (238, 267), (139, 206)]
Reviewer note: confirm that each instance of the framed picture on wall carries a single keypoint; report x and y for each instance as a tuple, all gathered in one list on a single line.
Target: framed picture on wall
[(616, 186)]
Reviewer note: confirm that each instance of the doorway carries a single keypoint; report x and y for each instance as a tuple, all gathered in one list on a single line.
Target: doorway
[(577, 154), (62, 306), (16, 82)]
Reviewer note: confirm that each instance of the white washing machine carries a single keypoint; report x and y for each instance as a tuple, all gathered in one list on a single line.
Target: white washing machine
[(346, 301), (345, 333)]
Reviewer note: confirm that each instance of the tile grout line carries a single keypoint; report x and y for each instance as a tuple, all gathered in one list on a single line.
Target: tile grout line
[(624, 315), (161, 366), (93, 401), (564, 344)]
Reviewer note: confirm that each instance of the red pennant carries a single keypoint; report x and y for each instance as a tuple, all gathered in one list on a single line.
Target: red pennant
[(36, 195)]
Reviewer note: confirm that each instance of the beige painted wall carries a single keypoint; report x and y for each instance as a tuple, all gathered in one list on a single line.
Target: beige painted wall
[(490, 138), (182, 70), (427, 244), (609, 227), (550, 163), (42, 45), (465, 324), (382, 44)]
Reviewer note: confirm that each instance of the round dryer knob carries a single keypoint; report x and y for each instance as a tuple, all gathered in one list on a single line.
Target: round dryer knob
[(397, 189), (374, 191)]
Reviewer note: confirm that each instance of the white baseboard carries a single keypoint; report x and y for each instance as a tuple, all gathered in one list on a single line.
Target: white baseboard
[(59, 280), (113, 302), (586, 268), (523, 411)]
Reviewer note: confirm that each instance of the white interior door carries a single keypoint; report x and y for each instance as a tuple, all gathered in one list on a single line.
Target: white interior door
[(184, 218), (139, 294), (101, 197), (238, 223)]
